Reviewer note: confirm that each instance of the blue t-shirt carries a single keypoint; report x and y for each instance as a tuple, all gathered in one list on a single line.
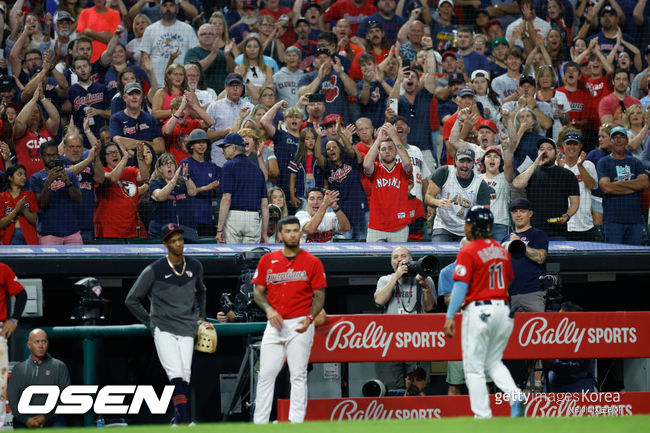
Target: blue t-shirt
[(176, 209), (202, 173), (474, 61), (336, 98), (145, 127), (110, 78), (86, 209), (527, 149), (285, 146), (59, 217), (442, 36), (375, 109), (606, 44), (347, 180), (621, 209), (94, 96), (391, 27), (418, 118), (245, 182), (526, 271)]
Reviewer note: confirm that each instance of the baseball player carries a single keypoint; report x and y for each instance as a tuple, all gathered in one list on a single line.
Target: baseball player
[(176, 292), (9, 286), (290, 288), (481, 278)]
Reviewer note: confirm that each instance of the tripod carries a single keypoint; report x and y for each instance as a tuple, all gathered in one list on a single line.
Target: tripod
[(246, 372)]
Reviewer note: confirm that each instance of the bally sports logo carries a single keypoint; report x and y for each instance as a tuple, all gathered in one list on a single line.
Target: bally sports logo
[(536, 331), (344, 335), (351, 410)]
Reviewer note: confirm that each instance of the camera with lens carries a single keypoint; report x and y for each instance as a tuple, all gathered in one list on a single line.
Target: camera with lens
[(244, 307), (552, 284), (226, 303), (426, 266)]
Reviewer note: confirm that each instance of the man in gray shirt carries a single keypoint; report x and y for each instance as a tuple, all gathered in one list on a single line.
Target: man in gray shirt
[(401, 293), (176, 292), (286, 79)]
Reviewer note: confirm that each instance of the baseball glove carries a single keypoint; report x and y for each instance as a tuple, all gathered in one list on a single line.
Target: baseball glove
[(206, 338)]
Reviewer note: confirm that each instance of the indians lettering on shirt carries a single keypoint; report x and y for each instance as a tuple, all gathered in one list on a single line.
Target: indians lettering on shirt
[(576, 106), (339, 174), (132, 130), (85, 185), (624, 172), (491, 188), (292, 84), (325, 236), (87, 100), (169, 42), (460, 201), (285, 277), (594, 88), (330, 88), (492, 252), (57, 184), (354, 19), (177, 197), (508, 92)]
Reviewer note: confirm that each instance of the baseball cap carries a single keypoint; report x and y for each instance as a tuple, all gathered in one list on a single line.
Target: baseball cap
[(396, 119), (465, 91), (448, 53), (35, 70), (232, 77), (130, 87), (323, 51), (607, 9), (546, 140), (527, 79), (520, 203), (480, 73), (465, 152), (572, 136), (618, 130), (374, 24), (170, 229), (441, 2), (498, 41), (275, 213), (486, 123), (7, 83), (250, 4), (301, 20), (197, 135), (63, 15), (456, 77), (493, 148), (232, 138), (330, 119), (162, 2)]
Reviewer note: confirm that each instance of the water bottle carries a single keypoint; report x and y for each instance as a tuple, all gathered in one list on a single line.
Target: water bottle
[(91, 122), (100, 422)]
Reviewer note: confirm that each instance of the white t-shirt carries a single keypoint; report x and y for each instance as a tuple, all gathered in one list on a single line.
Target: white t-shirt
[(564, 105), (499, 198), (325, 230), (541, 26), (420, 170), (582, 220), (159, 41)]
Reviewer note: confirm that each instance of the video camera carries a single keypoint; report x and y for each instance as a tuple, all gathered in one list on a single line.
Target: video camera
[(426, 266), (552, 284)]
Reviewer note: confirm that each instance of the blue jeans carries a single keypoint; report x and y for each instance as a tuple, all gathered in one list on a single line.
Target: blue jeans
[(17, 238), (629, 234)]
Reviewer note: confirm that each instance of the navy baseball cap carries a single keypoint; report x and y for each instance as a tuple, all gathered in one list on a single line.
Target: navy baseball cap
[(465, 91), (572, 136), (170, 229), (527, 79), (456, 77), (130, 87), (233, 138), (232, 77), (520, 203), (546, 140), (607, 9)]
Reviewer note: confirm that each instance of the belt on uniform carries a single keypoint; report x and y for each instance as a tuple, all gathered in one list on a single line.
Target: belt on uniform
[(488, 302)]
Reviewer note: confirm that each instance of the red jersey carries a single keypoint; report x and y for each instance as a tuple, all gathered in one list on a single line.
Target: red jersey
[(355, 67), (10, 287), (8, 203), (346, 9), (289, 37), (290, 284), (366, 183), (581, 107), (389, 208), (28, 150), (117, 205), (597, 88), (176, 142), (486, 268)]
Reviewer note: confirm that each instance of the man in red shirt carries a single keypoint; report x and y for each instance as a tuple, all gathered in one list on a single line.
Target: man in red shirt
[(581, 115), (98, 23), (290, 287), (177, 129), (389, 208), (354, 11), (284, 16), (611, 108), (481, 279)]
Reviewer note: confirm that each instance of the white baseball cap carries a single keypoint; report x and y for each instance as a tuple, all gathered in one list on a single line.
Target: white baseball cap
[(441, 2)]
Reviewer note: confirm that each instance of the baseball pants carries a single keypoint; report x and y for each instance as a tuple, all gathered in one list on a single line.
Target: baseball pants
[(400, 235), (243, 227), (175, 354), (278, 345), (485, 333), (4, 366)]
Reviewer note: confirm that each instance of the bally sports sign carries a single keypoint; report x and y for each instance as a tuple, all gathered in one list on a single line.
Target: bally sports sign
[(419, 337)]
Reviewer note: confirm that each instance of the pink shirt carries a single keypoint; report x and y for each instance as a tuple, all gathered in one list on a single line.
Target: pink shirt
[(610, 104)]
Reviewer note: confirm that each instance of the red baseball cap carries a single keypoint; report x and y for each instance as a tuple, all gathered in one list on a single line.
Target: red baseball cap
[(493, 149), (485, 123), (448, 53), (330, 119)]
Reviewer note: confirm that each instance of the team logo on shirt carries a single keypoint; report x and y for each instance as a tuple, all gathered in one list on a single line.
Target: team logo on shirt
[(128, 188), (460, 270), (57, 185), (189, 274), (375, 95), (87, 100), (285, 277), (168, 43), (624, 172), (330, 89)]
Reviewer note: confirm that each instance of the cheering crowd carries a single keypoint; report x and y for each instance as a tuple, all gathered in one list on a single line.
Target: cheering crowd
[(369, 120)]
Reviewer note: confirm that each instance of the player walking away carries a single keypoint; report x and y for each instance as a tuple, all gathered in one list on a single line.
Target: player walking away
[(9, 286), (290, 288), (481, 279), (176, 292)]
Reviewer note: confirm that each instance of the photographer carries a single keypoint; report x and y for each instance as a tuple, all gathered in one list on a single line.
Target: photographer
[(403, 292)]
